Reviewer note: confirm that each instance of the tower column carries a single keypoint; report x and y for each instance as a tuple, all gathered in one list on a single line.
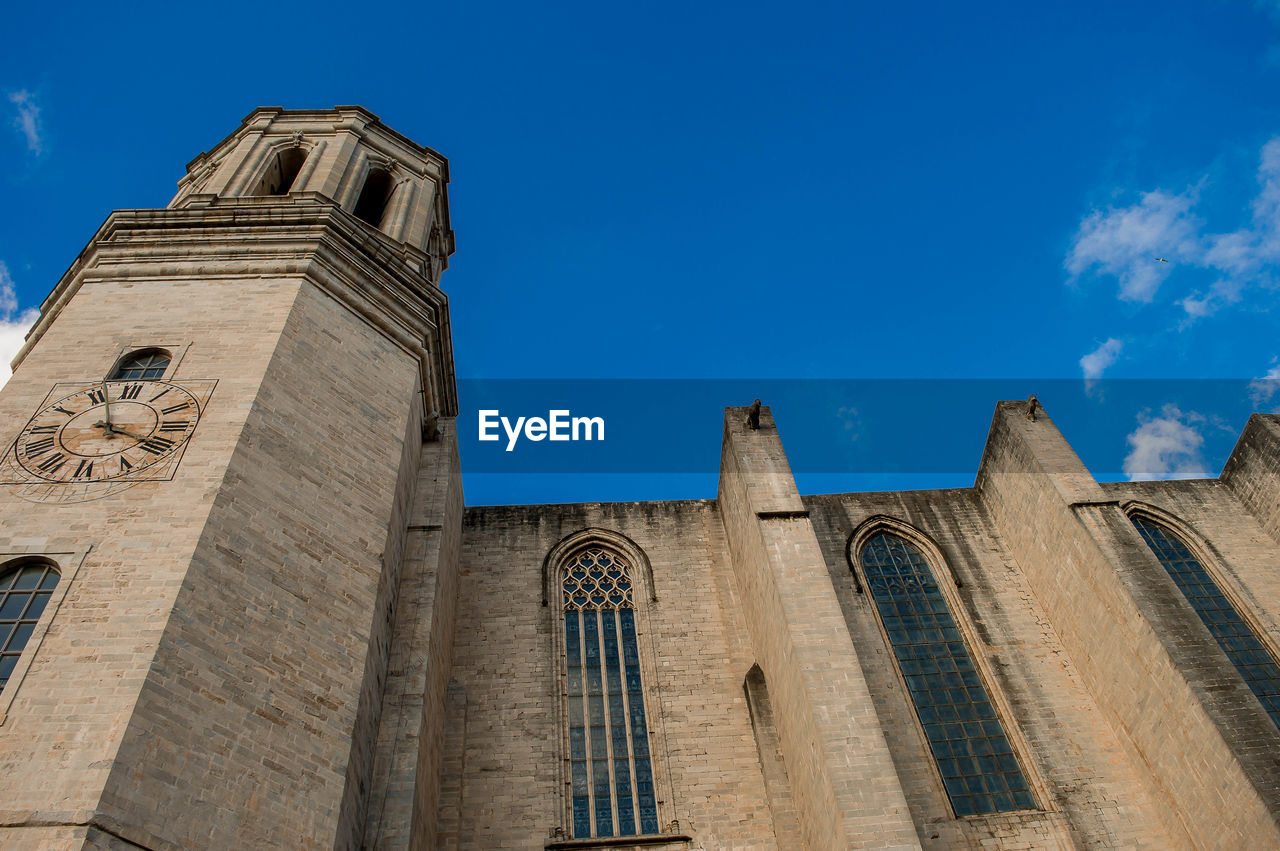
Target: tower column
[(404, 796), (230, 533), (846, 789), (1143, 659), (1253, 470)]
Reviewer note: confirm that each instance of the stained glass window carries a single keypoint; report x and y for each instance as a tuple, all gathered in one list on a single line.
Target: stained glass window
[(977, 763), (24, 592), (611, 775), (1224, 623), (141, 365)]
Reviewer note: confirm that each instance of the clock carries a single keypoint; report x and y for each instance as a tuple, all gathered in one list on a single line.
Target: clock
[(89, 440)]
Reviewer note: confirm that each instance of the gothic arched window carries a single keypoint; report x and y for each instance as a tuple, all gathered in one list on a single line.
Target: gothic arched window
[(147, 363), (610, 770), (979, 770), (1224, 623), (24, 592)]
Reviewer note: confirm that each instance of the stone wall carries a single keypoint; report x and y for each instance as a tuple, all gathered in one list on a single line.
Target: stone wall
[(696, 656), (842, 778), (1179, 709), (257, 718), (1087, 790), (67, 718), (214, 671), (1253, 471), (407, 773)]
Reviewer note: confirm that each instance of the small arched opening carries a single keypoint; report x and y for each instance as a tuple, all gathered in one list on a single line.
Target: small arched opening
[(371, 206), (282, 172), (141, 364), (777, 783)]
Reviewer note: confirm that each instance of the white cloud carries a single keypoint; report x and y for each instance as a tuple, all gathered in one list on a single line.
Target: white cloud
[(1234, 253), (8, 298), (1266, 207), (1223, 292), (848, 417), (1128, 242), (28, 119), (1263, 390), (1166, 447), (1097, 361), (13, 328)]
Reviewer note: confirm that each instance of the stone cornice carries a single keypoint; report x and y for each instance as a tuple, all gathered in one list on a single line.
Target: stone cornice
[(384, 282), (367, 120)]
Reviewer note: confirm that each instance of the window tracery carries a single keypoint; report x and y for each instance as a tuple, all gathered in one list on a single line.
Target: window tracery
[(610, 768)]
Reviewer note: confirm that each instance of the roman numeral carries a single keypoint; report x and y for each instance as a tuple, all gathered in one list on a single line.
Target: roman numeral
[(161, 393), (157, 445), (172, 409), (52, 464), (131, 391), (43, 429), (96, 396), (39, 447), (84, 471), (125, 466), (65, 411), (174, 425)]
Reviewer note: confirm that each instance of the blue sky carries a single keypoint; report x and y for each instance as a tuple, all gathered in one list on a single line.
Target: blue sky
[(750, 191)]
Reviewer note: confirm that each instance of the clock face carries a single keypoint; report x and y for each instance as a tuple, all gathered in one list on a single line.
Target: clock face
[(89, 440), (105, 432)]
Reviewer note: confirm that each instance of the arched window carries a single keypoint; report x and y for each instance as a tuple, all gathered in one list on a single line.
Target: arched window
[(24, 592), (979, 770), (610, 771), (282, 171), (1224, 623), (372, 202), (148, 363)]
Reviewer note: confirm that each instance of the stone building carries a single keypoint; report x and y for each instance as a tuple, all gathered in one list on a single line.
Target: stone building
[(243, 604)]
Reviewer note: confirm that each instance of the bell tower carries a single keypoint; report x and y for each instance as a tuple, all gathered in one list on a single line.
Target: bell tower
[(229, 440)]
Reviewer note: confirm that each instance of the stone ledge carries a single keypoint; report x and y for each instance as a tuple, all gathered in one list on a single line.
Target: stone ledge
[(304, 237), (649, 840)]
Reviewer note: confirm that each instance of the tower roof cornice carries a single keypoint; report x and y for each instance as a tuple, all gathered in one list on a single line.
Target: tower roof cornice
[(345, 154), (344, 116)]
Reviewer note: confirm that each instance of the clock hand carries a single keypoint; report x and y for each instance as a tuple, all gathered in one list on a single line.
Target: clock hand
[(117, 430), (106, 400)]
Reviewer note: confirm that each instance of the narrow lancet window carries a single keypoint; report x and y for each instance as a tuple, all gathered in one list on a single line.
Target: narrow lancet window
[(977, 764), (611, 774), (24, 593), (1224, 623)]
